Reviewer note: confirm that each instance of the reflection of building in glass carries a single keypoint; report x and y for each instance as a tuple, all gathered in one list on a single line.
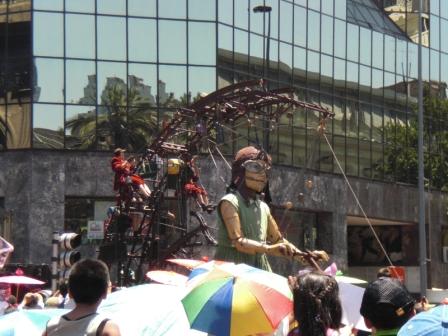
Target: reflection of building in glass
[(84, 77)]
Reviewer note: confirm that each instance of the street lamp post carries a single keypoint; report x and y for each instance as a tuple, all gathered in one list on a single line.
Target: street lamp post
[(265, 9)]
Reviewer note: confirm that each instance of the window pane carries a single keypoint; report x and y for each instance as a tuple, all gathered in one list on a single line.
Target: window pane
[(377, 83), (434, 65), (111, 38), (326, 67), (434, 32), (327, 35), (172, 41), (80, 83), (142, 40), (19, 126), (201, 10), (80, 127), (377, 48), (50, 80), (340, 8), (48, 126), (389, 49), (413, 60), (225, 40), (285, 65), (352, 42), (80, 40), (48, 30), (142, 82), (173, 9), (172, 86), (112, 86), (365, 47), (444, 32), (201, 80), (142, 7), (202, 34), (299, 66), (242, 48), (352, 77), (117, 7), (339, 38), (299, 26), (314, 4), (85, 6), (53, 5), (225, 11), (401, 58), (242, 13), (313, 30), (286, 11), (327, 7), (339, 72), (313, 62)]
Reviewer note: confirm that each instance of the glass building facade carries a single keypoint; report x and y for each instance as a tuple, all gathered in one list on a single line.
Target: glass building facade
[(92, 75)]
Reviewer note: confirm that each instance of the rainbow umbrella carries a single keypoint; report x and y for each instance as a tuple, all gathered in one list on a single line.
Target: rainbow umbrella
[(237, 300)]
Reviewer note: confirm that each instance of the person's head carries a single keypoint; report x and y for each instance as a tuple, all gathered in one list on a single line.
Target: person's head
[(31, 300), (251, 165), (384, 272), (317, 306), (386, 304), (119, 152), (88, 281), (12, 300)]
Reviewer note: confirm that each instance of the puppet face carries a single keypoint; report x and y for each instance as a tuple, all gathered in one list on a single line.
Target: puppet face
[(256, 174)]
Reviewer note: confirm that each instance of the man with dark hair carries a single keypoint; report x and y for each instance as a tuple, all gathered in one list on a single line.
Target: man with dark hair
[(88, 285), (386, 306)]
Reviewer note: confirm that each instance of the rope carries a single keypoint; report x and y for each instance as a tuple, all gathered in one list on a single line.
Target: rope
[(357, 201), (216, 166)]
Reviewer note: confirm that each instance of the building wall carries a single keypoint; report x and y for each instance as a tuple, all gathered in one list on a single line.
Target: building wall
[(37, 182)]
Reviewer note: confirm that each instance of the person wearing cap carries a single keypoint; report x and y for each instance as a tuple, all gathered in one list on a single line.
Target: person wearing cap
[(247, 231), (123, 169), (386, 306)]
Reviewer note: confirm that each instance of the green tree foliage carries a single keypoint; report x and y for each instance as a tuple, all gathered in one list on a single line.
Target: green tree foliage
[(400, 153)]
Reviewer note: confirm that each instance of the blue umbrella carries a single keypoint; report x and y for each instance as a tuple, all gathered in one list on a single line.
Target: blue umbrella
[(27, 322), (433, 322)]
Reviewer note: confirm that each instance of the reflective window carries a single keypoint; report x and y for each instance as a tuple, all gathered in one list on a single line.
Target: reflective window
[(142, 7), (352, 42), (314, 4), (274, 15), (201, 80), (19, 126), (313, 30), (434, 35), (352, 115), (80, 84), (435, 7), (48, 34), (364, 78), (201, 10), (172, 41), (84, 6), (172, 86), (53, 5), (377, 50), (241, 10), (241, 47), (299, 65), (256, 48), (225, 39), (327, 7), (389, 51), (142, 40), (444, 71), (365, 48), (377, 123), (111, 37), (340, 7), (79, 36), (339, 72), (352, 75), (327, 35), (286, 27), (413, 60), (117, 7), (299, 26), (434, 64), (326, 69), (201, 34), (142, 84), (401, 58), (389, 86), (339, 38), (49, 86), (173, 9), (48, 126), (377, 83), (112, 87), (225, 11), (80, 127), (425, 63), (444, 32), (313, 62), (285, 57)]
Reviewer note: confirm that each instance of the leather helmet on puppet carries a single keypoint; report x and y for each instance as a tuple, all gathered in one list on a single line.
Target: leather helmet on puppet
[(250, 170)]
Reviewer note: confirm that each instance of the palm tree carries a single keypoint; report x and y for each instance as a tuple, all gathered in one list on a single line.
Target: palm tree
[(125, 121)]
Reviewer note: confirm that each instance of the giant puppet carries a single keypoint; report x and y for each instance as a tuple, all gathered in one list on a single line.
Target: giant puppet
[(247, 231)]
